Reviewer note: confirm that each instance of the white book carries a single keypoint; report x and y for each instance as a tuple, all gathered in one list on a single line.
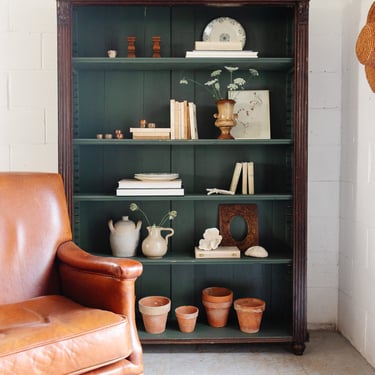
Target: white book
[(235, 177), (131, 183), (218, 46), (233, 54), (193, 120), (177, 120), (149, 192), (244, 177), (172, 104), (250, 175)]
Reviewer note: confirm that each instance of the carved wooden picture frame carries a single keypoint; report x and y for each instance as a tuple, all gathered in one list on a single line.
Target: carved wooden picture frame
[(249, 213)]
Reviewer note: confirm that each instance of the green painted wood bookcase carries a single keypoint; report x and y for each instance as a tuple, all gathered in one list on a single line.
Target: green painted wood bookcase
[(98, 95)]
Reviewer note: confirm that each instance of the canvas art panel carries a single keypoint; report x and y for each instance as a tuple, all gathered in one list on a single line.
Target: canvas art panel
[(253, 114)]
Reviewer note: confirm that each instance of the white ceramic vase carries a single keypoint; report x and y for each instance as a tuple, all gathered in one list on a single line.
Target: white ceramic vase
[(155, 246)]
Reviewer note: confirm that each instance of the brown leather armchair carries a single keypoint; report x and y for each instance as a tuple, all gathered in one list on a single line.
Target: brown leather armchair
[(62, 310)]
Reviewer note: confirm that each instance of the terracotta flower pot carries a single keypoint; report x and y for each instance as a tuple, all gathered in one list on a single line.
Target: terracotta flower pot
[(154, 310), (249, 313), (217, 294), (186, 318), (217, 302)]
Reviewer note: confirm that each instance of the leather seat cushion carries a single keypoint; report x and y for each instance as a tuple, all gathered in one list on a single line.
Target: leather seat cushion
[(53, 335)]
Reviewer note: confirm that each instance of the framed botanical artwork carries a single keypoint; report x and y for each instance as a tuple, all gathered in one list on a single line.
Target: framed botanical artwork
[(253, 114)]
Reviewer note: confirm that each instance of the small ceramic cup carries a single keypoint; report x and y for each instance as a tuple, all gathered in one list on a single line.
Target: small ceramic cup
[(112, 53)]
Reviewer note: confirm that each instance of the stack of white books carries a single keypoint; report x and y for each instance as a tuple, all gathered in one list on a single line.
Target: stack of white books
[(134, 187), (220, 49)]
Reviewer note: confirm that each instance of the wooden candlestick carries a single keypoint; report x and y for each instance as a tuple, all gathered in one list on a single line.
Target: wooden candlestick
[(131, 46), (156, 46)]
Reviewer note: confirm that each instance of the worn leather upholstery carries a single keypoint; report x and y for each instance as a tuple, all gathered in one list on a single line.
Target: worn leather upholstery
[(62, 310)]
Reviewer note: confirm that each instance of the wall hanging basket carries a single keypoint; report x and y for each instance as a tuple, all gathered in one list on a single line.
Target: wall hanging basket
[(365, 47)]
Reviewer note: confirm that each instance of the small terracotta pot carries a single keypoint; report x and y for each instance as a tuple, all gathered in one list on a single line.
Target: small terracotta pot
[(154, 310), (249, 313), (186, 318)]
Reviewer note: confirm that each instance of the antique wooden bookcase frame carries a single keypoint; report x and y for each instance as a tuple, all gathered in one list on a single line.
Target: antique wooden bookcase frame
[(93, 91)]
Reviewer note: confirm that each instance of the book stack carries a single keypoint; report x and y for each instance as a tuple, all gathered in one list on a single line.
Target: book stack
[(220, 49), (150, 133), (246, 170), (183, 120), (134, 187)]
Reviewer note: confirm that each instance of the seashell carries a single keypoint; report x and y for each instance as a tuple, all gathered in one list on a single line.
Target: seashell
[(256, 251)]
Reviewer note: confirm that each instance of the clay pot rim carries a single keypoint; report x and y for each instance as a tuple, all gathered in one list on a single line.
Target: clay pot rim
[(249, 304), (187, 311), (159, 306), (217, 294)]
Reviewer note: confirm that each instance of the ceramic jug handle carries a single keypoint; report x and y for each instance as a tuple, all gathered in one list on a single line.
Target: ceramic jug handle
[(169, 234)]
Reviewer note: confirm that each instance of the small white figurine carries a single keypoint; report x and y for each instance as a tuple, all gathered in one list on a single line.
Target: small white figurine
[(211, 239), (257, 252)]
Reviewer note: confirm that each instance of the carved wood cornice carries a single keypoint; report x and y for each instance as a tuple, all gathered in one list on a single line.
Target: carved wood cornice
[(63, 12)]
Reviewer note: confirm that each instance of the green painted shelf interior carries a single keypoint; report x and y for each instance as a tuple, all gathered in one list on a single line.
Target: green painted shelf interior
[(111, 94)]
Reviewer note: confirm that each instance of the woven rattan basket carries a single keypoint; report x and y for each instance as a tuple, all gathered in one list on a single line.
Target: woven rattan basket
[(365, 47)]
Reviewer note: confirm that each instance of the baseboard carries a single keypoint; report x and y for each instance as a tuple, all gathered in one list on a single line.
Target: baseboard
[(321, 326)]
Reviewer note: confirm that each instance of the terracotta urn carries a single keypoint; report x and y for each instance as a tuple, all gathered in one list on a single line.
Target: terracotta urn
[(187, 318), (225, 118), (154, 310), (249, 313), (217, 302)]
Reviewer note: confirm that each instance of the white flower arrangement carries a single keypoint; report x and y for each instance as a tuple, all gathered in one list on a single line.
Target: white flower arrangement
[(214, 87), (170, 215)]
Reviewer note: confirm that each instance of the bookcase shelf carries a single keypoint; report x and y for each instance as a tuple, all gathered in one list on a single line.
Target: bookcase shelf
[(188, 197), (179, 63), (98, 94), (185, 142)]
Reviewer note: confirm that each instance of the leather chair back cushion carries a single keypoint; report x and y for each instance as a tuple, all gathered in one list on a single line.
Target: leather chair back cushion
[(53, 335), (33, 222)]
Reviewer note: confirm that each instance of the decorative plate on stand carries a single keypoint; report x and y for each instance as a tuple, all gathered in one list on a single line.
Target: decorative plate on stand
[(224, 29)]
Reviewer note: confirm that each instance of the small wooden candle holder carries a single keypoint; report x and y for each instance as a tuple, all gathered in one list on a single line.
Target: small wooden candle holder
[(156, 46), (131, 46)]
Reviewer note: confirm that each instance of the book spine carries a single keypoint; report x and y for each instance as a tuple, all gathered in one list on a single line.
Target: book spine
[(148, 192), (250, 174), (235, 177), (244, 178), (137, 184), (172, 118)]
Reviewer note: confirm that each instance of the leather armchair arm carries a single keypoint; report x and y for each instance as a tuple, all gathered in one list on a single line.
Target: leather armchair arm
[(95, 281), (101, 282), (122, 268)]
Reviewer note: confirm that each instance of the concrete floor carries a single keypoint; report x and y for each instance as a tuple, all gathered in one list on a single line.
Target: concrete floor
[(327, 353)]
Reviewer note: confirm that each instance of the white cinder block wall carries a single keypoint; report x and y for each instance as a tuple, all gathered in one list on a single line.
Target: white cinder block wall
[(356, 318), (28, 85), (341, 113)]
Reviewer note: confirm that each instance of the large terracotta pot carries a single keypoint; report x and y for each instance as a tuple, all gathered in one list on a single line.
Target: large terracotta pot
[(217, 302), (154, 310), (249, 313)]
